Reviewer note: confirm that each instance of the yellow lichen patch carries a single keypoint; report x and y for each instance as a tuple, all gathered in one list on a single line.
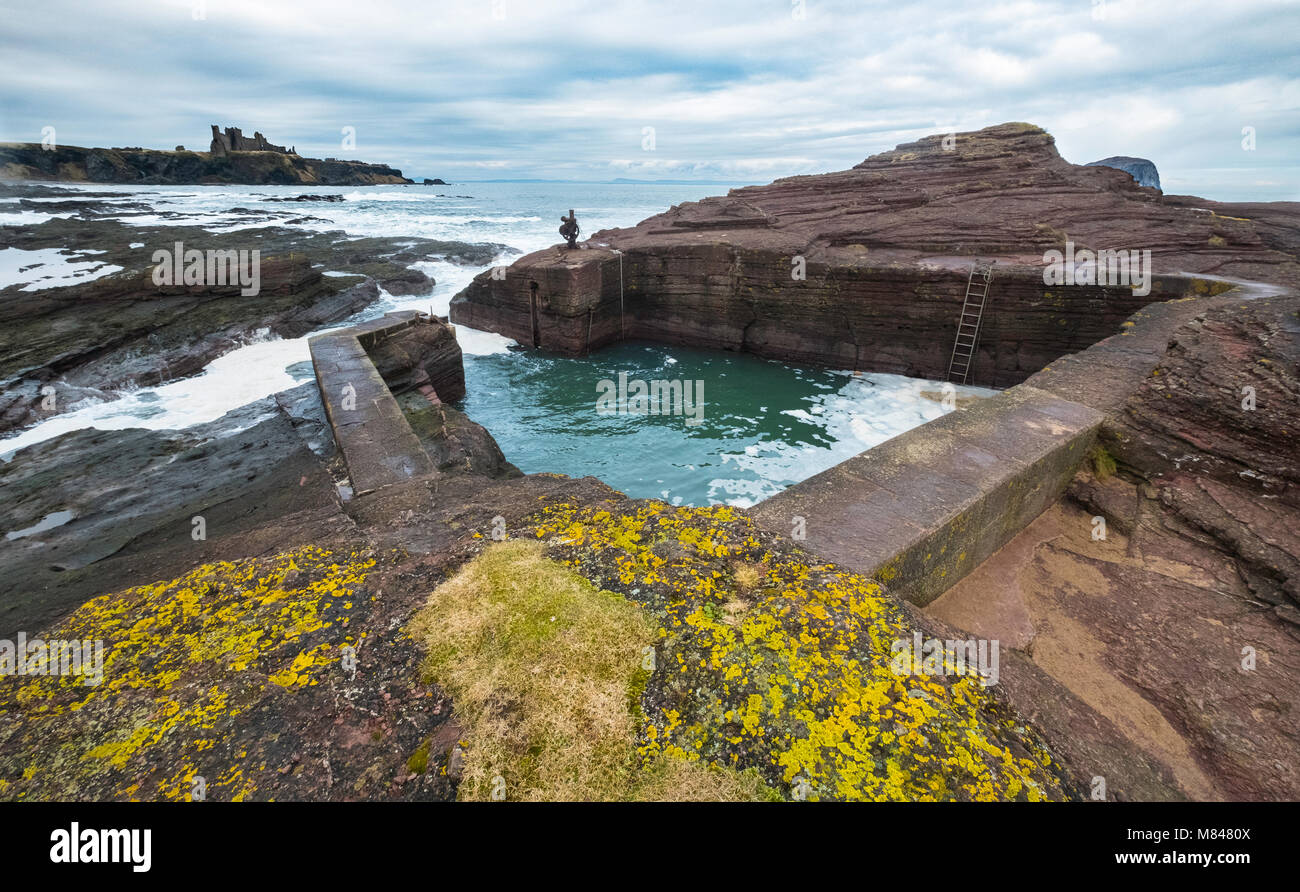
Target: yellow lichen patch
[(798, 683), (182, 660)]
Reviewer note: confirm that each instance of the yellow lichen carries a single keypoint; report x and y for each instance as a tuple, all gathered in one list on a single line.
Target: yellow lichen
[(182, 660), (799, 685)]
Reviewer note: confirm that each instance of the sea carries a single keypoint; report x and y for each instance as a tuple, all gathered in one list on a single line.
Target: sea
[(757, 427)]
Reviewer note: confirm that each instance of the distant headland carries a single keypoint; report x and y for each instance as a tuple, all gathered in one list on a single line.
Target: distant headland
[(231, 158)]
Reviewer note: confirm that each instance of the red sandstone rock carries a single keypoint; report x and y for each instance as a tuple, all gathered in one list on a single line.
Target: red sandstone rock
[(885, 248), (1214, 429)]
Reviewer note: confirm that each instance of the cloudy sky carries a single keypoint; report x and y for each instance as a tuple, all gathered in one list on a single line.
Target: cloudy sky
[(739, 90)]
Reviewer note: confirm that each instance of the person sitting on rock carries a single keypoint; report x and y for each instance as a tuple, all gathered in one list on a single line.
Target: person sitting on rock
[(569, 229)]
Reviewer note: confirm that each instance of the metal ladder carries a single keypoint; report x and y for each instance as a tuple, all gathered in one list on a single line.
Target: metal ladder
[(968, 326)]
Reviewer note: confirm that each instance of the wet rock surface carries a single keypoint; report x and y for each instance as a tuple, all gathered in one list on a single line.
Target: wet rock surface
[(133, 495), (91, 339)]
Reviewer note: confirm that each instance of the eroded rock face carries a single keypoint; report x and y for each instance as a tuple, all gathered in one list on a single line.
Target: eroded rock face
[(1213, 432), (425, 353), (1178, 624), (867, 268)]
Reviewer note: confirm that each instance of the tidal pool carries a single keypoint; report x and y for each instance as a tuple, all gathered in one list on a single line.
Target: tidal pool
[(761, 426)]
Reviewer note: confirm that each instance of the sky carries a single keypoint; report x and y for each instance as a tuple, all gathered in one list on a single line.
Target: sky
[(711, 90)]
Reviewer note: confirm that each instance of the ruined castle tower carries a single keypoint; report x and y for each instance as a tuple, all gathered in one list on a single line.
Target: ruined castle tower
[(233, 140)]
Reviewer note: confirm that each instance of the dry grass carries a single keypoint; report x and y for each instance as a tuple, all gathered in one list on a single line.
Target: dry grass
[(546, 674), (673, 780), (747, 576)]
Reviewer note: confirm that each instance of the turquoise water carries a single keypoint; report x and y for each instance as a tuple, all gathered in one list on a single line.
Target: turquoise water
[(764, 425)]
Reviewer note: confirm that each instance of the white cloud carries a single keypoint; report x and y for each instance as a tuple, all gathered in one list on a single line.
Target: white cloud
[(733, 88)]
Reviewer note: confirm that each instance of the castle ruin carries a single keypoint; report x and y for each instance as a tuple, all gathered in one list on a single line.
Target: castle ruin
[(233, 140)]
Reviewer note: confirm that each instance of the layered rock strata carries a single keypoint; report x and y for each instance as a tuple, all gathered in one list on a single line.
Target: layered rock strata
[(867, 268)]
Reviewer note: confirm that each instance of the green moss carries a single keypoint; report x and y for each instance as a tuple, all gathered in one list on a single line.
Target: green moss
[(1103, 463), (419, 761)]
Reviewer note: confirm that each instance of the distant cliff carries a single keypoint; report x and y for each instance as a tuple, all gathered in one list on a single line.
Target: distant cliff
[(1142, 171), (31, 161)]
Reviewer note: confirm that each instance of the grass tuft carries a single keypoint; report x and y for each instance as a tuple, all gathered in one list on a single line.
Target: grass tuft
[(547, 673), (1103, 463)]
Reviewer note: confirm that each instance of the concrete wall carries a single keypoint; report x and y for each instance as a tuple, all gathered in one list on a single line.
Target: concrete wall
[(922, 510), (378, 445)]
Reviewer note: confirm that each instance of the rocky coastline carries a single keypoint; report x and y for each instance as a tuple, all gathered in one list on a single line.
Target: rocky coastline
[(97, 338), (33, 161), (771, 658)]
